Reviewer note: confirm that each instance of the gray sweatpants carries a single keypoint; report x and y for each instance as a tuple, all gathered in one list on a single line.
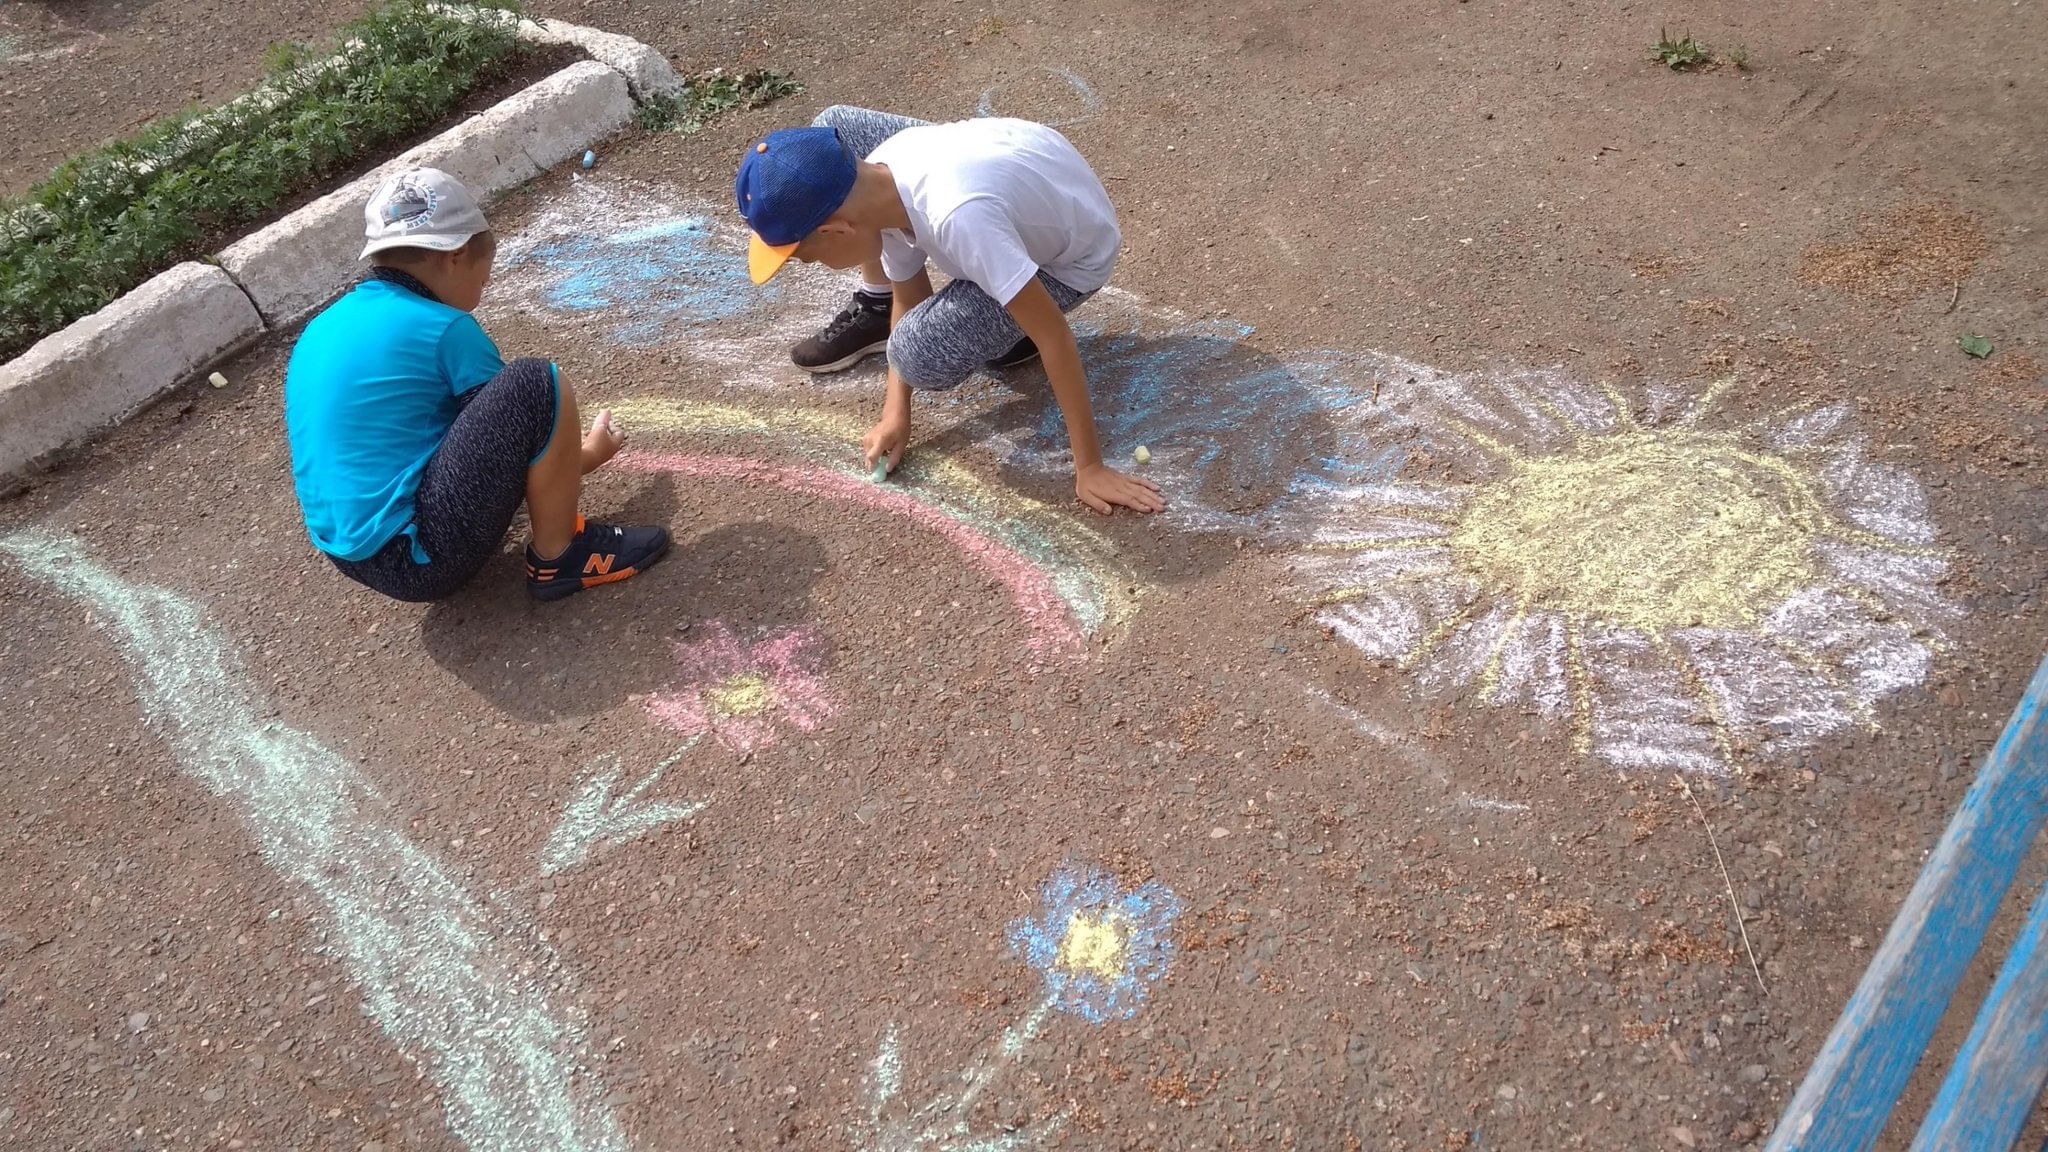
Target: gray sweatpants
[(939, 343)]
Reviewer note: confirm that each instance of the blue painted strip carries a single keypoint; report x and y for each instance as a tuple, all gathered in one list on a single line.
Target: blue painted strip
[(1849, 1092), (2000, 1070)]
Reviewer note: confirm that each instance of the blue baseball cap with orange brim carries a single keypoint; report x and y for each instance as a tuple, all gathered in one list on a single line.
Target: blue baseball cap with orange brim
[(789, 184)]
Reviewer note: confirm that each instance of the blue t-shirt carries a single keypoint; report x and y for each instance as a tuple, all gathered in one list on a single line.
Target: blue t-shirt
[(371, 390)]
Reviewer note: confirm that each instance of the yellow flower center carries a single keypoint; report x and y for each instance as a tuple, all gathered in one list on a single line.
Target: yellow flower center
[(743, 695), (1649, 530), (1097, 943)]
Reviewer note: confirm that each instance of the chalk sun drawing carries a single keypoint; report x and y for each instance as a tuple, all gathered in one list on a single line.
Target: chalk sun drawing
[(740, 694), (451, 983), (1679, 592), (1682, 593), (600, 816), (1099, 947)]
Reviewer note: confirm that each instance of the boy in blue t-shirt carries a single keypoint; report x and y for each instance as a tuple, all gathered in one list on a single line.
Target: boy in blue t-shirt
[(413, 443)]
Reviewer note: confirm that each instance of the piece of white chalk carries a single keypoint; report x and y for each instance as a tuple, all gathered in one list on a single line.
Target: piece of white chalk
[(1143, 455), (217, 380)]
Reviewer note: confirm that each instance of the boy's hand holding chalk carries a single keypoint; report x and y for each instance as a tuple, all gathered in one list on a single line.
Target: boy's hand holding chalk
[(882, 448)]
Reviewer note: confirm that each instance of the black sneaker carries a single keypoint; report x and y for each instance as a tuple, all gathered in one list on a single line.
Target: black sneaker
[(1021, 353), (860, 330), (599, 554)]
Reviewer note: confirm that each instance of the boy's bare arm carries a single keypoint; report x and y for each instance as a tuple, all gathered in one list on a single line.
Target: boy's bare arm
[(890, 436), (1099, 486)]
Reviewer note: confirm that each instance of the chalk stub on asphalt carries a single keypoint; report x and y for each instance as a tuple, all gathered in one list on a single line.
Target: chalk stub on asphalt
[(104, 367), (301, 262)]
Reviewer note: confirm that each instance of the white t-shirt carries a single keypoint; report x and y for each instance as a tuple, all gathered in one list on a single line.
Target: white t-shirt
[(994, 201)]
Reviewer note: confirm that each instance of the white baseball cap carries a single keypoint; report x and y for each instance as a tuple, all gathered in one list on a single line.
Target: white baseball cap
[(421, 208)]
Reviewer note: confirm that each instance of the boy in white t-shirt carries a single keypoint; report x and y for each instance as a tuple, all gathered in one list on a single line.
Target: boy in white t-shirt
[(1006, 208)]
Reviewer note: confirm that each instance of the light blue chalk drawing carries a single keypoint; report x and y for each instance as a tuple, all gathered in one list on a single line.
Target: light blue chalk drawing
[(448, 979), (946, 1122), (601, 817), (1099, 947), (1091, 104), (652, 282), (1241, 440)]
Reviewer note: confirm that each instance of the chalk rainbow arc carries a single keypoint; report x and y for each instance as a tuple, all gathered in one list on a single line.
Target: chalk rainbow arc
[(1063, 577)]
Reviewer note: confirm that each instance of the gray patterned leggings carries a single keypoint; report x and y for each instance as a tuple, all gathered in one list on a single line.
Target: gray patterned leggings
[(473, 484), (942, 341)]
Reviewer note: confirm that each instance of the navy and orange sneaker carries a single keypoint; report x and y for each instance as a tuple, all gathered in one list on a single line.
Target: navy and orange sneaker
[(599, 554)]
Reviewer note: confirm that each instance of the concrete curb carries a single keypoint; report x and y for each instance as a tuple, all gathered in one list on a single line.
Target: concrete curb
[(647, 72), (300, 262), (105, 367), (76, 382)]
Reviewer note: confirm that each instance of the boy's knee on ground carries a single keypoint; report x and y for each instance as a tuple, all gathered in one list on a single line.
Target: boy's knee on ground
[(830, 117), (921, 365)]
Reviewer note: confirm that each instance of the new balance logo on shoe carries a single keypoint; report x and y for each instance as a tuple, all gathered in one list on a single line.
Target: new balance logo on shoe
[(597, 554)]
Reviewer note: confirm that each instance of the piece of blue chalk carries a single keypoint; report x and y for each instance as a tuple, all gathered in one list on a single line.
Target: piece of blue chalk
[(881, 470), (589, 159)]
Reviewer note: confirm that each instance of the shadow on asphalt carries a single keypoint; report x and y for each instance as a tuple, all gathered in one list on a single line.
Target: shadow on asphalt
[(587, 654)]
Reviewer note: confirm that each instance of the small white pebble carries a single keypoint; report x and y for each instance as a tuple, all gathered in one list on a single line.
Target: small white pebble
[(217, 380), (1143, 455)]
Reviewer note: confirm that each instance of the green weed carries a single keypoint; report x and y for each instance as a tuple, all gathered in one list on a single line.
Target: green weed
[(1679, 55), (105, 221), (706, 97)]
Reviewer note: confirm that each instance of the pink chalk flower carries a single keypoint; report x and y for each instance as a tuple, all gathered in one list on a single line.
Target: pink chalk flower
[(741, 694)]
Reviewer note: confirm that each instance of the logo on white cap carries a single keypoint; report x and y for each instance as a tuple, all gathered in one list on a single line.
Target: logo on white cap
[(409, 204), (421, 208)]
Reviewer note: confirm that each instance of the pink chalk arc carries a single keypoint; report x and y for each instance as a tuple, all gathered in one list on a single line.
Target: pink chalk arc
[(1030, 588)]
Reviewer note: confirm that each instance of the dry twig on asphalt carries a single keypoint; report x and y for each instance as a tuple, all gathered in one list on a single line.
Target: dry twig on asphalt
[(1715, 844)]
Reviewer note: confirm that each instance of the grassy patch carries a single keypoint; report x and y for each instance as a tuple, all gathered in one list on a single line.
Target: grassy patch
[(105, 221), (1686, 54), (1680, 55), (706, 97)]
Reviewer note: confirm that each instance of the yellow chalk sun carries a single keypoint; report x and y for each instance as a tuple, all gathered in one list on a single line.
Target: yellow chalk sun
[(1097, 943), (743, 695), (1671, 588), (1648, 529)]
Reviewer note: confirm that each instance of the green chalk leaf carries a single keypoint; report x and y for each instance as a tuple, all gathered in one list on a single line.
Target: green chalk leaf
[(1974, 346)]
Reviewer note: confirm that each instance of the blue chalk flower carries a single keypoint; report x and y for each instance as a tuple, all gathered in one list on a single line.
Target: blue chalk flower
[(651, 280), (1098, 946)]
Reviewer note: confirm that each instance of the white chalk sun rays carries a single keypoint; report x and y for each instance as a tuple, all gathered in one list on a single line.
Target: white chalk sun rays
[(1681, 590)]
